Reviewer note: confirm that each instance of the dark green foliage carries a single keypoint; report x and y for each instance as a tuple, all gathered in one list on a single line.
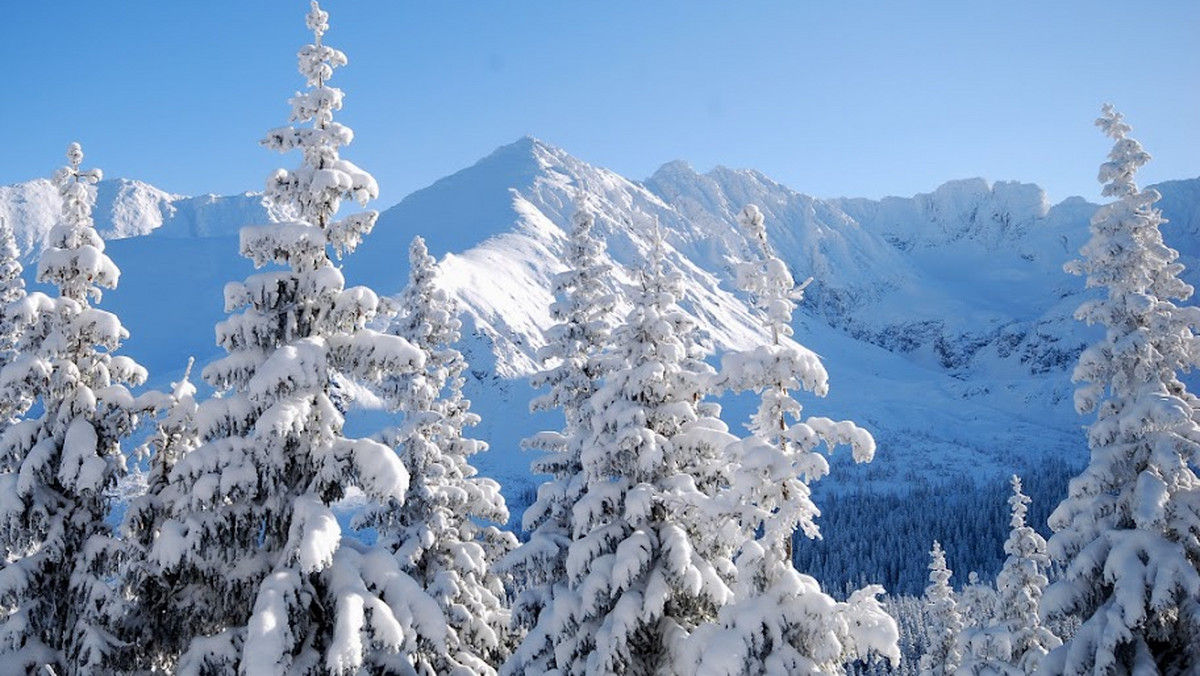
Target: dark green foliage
[(883, 538)]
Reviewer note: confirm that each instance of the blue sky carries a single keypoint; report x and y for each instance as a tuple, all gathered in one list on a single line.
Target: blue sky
[(830, 98)]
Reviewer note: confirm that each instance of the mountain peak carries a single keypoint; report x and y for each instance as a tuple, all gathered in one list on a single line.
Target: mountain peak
[(675, 168), (525, 148), (518, 162)]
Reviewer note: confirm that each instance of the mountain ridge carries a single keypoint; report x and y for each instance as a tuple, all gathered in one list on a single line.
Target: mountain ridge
[(944, 319)]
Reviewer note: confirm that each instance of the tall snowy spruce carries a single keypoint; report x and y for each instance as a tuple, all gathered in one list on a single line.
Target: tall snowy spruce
[(574, 345), (13, 400), (638, 578), (12, 286), (780, 620), (1015, 641), (270, 584), (440, 531), (59, 606), (1020, 586), (154, 631), (1129, 529), (943, 622)]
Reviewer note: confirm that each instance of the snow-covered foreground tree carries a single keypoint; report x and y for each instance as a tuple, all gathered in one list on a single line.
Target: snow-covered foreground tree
[(12, 286), (574, 346), (59, 606), (269, 582), (944, 624), (13, 398), (1016, 641), (637, 581), (1129, 529), (781, 621), (1020, 587), (154, 632), (438, 531)]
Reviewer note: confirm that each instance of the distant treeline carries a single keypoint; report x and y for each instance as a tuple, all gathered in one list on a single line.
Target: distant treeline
[(884, 538)]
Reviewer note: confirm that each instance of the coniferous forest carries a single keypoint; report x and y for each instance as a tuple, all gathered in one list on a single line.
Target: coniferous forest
[(664, 538)]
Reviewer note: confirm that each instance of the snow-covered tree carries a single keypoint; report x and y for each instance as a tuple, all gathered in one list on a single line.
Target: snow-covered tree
[(638, 577), (439, 533), (573, 347), (12, 290), (981, 642), (1020, 585), (12, 286), (155, 630), (1129, 530), (781, 621), (977, 602), (59, 605), (1015, 641), (943, 624), (270, 583)]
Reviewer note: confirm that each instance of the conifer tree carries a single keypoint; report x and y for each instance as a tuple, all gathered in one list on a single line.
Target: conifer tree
[(977, 602), (439, 532), (943, 623), (13, 399), (573, 348), (1127, 531), (1014, 642), (781, 621), (59, 606), (1020, 585), (271, 584), (637, 572), (154, 632), (12, 286)]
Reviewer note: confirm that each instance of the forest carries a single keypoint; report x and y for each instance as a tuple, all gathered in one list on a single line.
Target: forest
[(662, 539)]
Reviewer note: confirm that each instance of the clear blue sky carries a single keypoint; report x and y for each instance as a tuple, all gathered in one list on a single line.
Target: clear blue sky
[(830, 98)]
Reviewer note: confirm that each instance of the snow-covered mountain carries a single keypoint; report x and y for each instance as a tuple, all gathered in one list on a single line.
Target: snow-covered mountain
[(127, 208), (944, 319)]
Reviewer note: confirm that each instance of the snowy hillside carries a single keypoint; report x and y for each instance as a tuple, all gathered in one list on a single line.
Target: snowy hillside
[(944, 319), (127, 208)]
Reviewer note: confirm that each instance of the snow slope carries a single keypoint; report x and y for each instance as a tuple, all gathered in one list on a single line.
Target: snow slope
[(944, 319), (126, 208)]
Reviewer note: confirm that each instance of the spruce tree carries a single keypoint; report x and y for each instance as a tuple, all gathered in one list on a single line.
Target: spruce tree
[(59, 606), (439, 532), (977, 602), (1020, 585), (573, 349), (154, 632), (639, 577), (781, 621), (12, 286), (271, 584), (981, 642), (943, 623), (14, 399), (1014, 641), (1127, 530)]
